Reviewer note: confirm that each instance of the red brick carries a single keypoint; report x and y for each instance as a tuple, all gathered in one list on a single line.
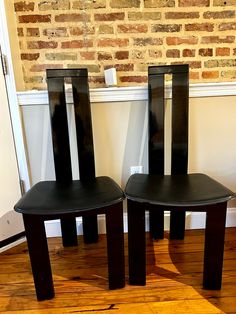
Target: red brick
[(206, 27), (194, 3), (194, 64), (122, 55), (189, 53), (172, 53), (104, 56), (109, 16), (206, 52), (222, 51), (29, 56), (77, 44), (193, 75), (132, 28), (124, 67), (217, 39), (127, 67), (41, 44), (133, 79), (35, 18), (23, 6), (210, 74), (113, 42), (100, 80), (190, 40)]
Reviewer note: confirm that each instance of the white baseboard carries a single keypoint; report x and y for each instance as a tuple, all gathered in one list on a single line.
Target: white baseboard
[(195, 220)]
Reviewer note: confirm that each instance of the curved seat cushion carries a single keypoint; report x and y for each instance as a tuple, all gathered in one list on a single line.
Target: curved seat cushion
[(52, 198), (176, 190)]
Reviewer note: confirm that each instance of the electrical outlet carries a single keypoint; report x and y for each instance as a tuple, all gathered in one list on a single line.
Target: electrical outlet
[(136, 169)]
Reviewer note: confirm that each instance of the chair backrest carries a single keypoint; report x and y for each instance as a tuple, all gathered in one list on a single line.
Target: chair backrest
[(179, 125), (60, 111)]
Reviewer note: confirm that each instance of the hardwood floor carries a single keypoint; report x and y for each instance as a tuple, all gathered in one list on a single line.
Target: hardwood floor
[(174, 279)]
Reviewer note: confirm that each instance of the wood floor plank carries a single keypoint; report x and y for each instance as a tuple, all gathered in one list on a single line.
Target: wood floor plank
[(174, 280)]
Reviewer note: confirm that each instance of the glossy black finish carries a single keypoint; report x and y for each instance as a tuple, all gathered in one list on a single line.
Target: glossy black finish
[(179, 134), (83, 121), (66, 199), (178, 192)]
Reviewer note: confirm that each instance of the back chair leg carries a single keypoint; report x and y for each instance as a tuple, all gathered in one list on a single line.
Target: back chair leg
[(69, 232), (214, 246), (39, 256), (156, 222), (177, 225), (115, 239), (136, 243), (90, 229)]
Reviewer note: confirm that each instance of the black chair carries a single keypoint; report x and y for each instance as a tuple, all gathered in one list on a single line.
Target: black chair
[(178, 192), (66, 198)]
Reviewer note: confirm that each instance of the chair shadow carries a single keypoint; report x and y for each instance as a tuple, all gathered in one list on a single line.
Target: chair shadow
[(184, 265)]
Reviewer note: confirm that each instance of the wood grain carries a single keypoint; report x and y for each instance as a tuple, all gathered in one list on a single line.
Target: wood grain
[(174, 279)]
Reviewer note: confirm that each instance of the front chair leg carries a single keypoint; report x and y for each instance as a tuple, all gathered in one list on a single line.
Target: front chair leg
[(39, 256), (214, 246), (115, 246), (137, 243)]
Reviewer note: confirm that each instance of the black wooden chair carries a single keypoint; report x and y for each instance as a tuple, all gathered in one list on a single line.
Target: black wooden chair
[(66, 198), (178, 192)]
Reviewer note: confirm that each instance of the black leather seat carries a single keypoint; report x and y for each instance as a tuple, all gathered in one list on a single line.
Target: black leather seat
[(177, 192), (65, 198)]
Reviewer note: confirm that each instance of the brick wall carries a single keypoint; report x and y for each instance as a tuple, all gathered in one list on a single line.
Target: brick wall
[(128, 35)]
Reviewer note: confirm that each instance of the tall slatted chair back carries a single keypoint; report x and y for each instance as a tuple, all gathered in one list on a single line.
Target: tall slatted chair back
[(179, 90), (60, 110)]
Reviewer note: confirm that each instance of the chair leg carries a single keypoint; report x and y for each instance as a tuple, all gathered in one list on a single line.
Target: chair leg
[(177, 225), (115, 246), (137, 243), (69, 232), (156, 222), (214, 247), (39, 256), (90, 229)]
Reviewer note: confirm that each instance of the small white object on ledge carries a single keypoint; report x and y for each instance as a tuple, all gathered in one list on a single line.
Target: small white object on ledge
[(110, 77)]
